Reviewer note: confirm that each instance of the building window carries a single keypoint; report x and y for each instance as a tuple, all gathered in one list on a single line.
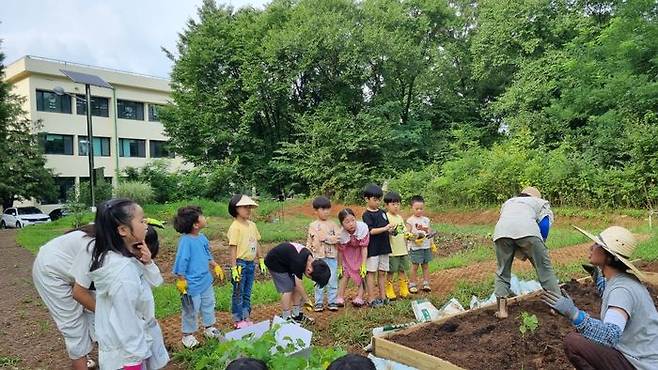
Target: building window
[(130, 110), (160, 149), (132, 148), (48, 101), (63, 185), (101, 146), (154, 115), (57, 144), (100, 106)]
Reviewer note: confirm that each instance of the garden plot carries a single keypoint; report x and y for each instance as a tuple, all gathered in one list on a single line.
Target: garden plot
[(476, 340)]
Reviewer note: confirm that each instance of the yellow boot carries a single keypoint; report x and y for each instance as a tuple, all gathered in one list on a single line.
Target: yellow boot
[(390, 293), (404, 288)]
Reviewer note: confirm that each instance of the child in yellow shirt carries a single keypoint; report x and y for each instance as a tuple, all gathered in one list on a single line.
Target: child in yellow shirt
[(243, 237)]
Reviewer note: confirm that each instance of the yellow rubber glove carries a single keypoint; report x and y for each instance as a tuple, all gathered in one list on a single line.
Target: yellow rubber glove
[(181, 285), (261, 264), (363, 271), (339, 271), (236, 271), (219, 272), (434, 248)]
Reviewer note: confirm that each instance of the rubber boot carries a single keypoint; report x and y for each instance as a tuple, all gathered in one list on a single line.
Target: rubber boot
[(501, 313), (390, 293), (404, 288)]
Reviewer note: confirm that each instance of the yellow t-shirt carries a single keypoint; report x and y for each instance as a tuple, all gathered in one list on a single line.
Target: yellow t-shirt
[(245, 237), (398, 245)]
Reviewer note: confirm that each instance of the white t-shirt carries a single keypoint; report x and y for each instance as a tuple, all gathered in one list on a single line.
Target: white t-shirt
[(64, 254), (423, 221)]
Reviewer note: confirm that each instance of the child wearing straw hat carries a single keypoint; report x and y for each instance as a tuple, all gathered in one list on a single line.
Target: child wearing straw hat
[(626, 336)]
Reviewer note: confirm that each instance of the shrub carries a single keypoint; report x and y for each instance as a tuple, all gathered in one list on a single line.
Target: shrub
[(140, 192), (102, 192)]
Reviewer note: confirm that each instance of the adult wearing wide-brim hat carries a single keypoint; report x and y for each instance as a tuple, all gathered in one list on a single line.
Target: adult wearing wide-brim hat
[(521, 231), (626, 336)]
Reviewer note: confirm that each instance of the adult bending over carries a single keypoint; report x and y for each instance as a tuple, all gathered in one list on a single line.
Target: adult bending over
[(522, 230), (626, 337)]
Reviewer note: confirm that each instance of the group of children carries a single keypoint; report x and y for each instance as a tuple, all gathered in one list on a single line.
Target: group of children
[(101, 275), (368, 252), (373, 250)]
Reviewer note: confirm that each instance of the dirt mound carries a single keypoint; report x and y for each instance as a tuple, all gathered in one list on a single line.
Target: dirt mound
[(474, 341)]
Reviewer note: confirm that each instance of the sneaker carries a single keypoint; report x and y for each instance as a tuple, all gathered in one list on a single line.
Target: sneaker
[(302, 319), (318, 307), (333, 307), (376, 303), (390, 292), (426, 287), (189, 341), (91, 364), (213, 332), (412, 288), (242, 324), (358, 302), (340, 302)]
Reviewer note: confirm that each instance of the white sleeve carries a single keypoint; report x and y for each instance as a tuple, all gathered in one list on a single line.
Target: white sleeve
[(125, 322), (152, 275), (80, 267), (615, 317)]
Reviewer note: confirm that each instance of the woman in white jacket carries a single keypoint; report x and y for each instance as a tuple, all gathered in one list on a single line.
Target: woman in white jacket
[(121, 269)]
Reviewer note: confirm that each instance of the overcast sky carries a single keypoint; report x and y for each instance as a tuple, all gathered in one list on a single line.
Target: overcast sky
[(121, 34)]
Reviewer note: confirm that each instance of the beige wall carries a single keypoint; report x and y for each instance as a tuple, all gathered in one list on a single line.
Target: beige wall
[(29, 74)]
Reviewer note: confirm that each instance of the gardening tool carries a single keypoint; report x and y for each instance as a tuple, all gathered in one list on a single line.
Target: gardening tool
[(219, 272), (181, 285)]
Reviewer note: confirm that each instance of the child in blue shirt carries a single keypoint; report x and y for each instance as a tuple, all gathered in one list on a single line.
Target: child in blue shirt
[(193, 259)]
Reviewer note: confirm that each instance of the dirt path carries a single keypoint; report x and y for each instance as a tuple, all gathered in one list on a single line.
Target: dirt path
[(27, 331)]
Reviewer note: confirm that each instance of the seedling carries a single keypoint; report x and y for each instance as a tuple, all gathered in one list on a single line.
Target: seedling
[(529, 324)]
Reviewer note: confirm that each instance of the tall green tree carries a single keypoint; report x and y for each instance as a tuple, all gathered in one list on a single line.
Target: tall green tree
[(22, 165)]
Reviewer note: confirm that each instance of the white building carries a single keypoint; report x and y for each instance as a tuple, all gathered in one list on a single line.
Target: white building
[(126, 127)]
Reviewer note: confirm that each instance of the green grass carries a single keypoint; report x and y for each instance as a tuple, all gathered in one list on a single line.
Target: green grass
[(9, 361), (33, 237)]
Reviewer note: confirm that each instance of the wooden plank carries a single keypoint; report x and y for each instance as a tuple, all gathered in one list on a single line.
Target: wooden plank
[(384, 348)]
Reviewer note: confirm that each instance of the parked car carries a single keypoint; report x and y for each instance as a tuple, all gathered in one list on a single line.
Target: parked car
[(58, 213), (22, 216)]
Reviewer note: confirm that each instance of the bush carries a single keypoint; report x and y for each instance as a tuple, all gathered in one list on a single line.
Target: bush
[(138, 191), (102, 192)]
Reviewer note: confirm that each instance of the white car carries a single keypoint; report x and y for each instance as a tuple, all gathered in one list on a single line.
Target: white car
[(22, 216)]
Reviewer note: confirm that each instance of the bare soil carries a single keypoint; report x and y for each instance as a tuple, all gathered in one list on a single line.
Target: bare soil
[(479, 341)]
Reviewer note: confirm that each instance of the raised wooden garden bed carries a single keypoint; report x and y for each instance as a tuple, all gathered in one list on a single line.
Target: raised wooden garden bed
[(477, 340)]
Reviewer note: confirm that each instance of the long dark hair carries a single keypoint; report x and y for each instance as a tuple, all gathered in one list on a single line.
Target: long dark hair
[(109, 216)]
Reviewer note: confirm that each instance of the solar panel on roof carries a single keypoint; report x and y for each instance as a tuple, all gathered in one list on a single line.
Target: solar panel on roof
[(86, 79)]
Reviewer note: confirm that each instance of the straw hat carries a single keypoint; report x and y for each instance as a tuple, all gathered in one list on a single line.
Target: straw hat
[(532, 191), (620, 243), (246, 201)]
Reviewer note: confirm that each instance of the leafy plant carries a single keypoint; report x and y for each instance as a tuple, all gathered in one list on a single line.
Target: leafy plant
[(76, 208), (529, 323), (217, 355)]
